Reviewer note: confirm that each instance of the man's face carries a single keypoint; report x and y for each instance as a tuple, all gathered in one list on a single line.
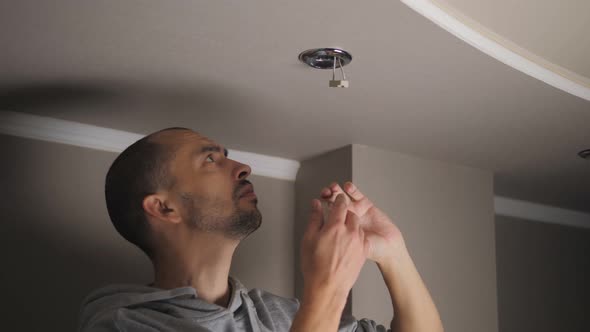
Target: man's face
[(210, 186)]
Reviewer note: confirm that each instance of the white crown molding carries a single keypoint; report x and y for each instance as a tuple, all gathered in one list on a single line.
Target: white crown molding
[(273, 167), (65, 132), (501, 49), (111, 140), (106, 139), (542, 213)]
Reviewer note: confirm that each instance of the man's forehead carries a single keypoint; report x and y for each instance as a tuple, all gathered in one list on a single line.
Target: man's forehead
[(186, 140), (176, 136)]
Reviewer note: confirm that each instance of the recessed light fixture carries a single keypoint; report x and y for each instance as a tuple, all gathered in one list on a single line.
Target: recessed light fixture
[(328, 58), (323, 58), (584, 154)]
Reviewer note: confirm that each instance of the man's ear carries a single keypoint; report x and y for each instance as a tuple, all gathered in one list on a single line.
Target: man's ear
[(159, 208)]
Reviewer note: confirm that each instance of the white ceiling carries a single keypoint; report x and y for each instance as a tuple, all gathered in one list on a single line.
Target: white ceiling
[(229, 70)]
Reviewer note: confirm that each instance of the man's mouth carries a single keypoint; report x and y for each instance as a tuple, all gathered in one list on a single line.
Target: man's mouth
[(248, 191), (249, 195)]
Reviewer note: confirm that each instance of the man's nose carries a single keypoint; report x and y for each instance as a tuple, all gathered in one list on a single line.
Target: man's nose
[(242, 171)]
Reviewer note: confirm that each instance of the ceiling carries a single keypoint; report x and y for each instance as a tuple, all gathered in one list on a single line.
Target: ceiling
[(557, 31), (229, 70)]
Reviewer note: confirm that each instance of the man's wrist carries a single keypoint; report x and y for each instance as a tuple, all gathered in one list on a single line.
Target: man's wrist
[(395, 259), (320, 310), (413, 306), (324, 297)]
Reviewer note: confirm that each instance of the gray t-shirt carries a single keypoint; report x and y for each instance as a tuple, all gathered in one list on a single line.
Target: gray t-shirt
[(132, 308)]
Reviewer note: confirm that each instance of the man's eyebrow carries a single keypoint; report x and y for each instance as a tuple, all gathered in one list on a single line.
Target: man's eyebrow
[(214, 148)]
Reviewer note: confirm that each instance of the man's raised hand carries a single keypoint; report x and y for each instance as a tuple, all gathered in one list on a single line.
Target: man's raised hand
[(383, 236), (333, 252)]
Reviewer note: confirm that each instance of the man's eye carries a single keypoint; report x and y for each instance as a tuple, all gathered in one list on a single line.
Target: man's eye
[(209, 157)]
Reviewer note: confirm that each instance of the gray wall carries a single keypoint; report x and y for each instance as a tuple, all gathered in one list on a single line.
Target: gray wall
[(543, 276), (57, 243), (446, 214)]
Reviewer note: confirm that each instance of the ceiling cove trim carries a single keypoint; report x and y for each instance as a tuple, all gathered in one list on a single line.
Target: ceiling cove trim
[(501, 49), (542, 213), (111, 140), (106, 139)]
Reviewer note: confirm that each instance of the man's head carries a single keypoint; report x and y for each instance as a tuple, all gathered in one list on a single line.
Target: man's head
[(178, 178)]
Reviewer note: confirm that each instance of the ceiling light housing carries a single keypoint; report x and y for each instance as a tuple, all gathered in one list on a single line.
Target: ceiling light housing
[(584, 154), (323, 58)]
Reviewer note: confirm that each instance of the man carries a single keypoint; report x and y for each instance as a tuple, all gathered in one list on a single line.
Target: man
[(177, 196)]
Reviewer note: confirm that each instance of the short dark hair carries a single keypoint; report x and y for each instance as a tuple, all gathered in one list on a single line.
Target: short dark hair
[(140, 170)]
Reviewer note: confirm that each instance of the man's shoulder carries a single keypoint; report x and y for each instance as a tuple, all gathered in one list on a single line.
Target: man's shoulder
[(267, 296), (274, 310), (275, 305)]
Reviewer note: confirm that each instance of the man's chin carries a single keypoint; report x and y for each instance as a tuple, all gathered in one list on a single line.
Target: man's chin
[(247, 223)]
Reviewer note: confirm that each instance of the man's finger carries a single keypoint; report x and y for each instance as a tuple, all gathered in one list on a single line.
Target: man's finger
[(366, 243), (338, 211), (315, 218), (362, 202), (326, 192), (334, 189), (326, 207), (353, 191)]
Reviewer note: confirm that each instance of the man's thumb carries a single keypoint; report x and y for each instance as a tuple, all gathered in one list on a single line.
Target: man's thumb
[(367, 246)]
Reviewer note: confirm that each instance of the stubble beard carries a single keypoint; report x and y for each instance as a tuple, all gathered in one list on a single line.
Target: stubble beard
[(238, 225)]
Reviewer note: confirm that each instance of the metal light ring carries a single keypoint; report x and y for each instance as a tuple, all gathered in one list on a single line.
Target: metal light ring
[(323, 58), (584, 154)]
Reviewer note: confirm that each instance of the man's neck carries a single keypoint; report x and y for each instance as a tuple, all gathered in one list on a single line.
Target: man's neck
[(203, 264)]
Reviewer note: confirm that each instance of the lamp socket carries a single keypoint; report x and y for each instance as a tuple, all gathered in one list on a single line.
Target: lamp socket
[(339, 83)]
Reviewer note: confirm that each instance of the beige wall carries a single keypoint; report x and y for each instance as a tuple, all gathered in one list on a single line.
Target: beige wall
[(314, 174), (543, 276), (57, 242), (446, 214)]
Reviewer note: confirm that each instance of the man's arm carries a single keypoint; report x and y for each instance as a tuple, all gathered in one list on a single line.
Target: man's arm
[(332, 255), (414, 309), (320, 310), (413, 306)]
